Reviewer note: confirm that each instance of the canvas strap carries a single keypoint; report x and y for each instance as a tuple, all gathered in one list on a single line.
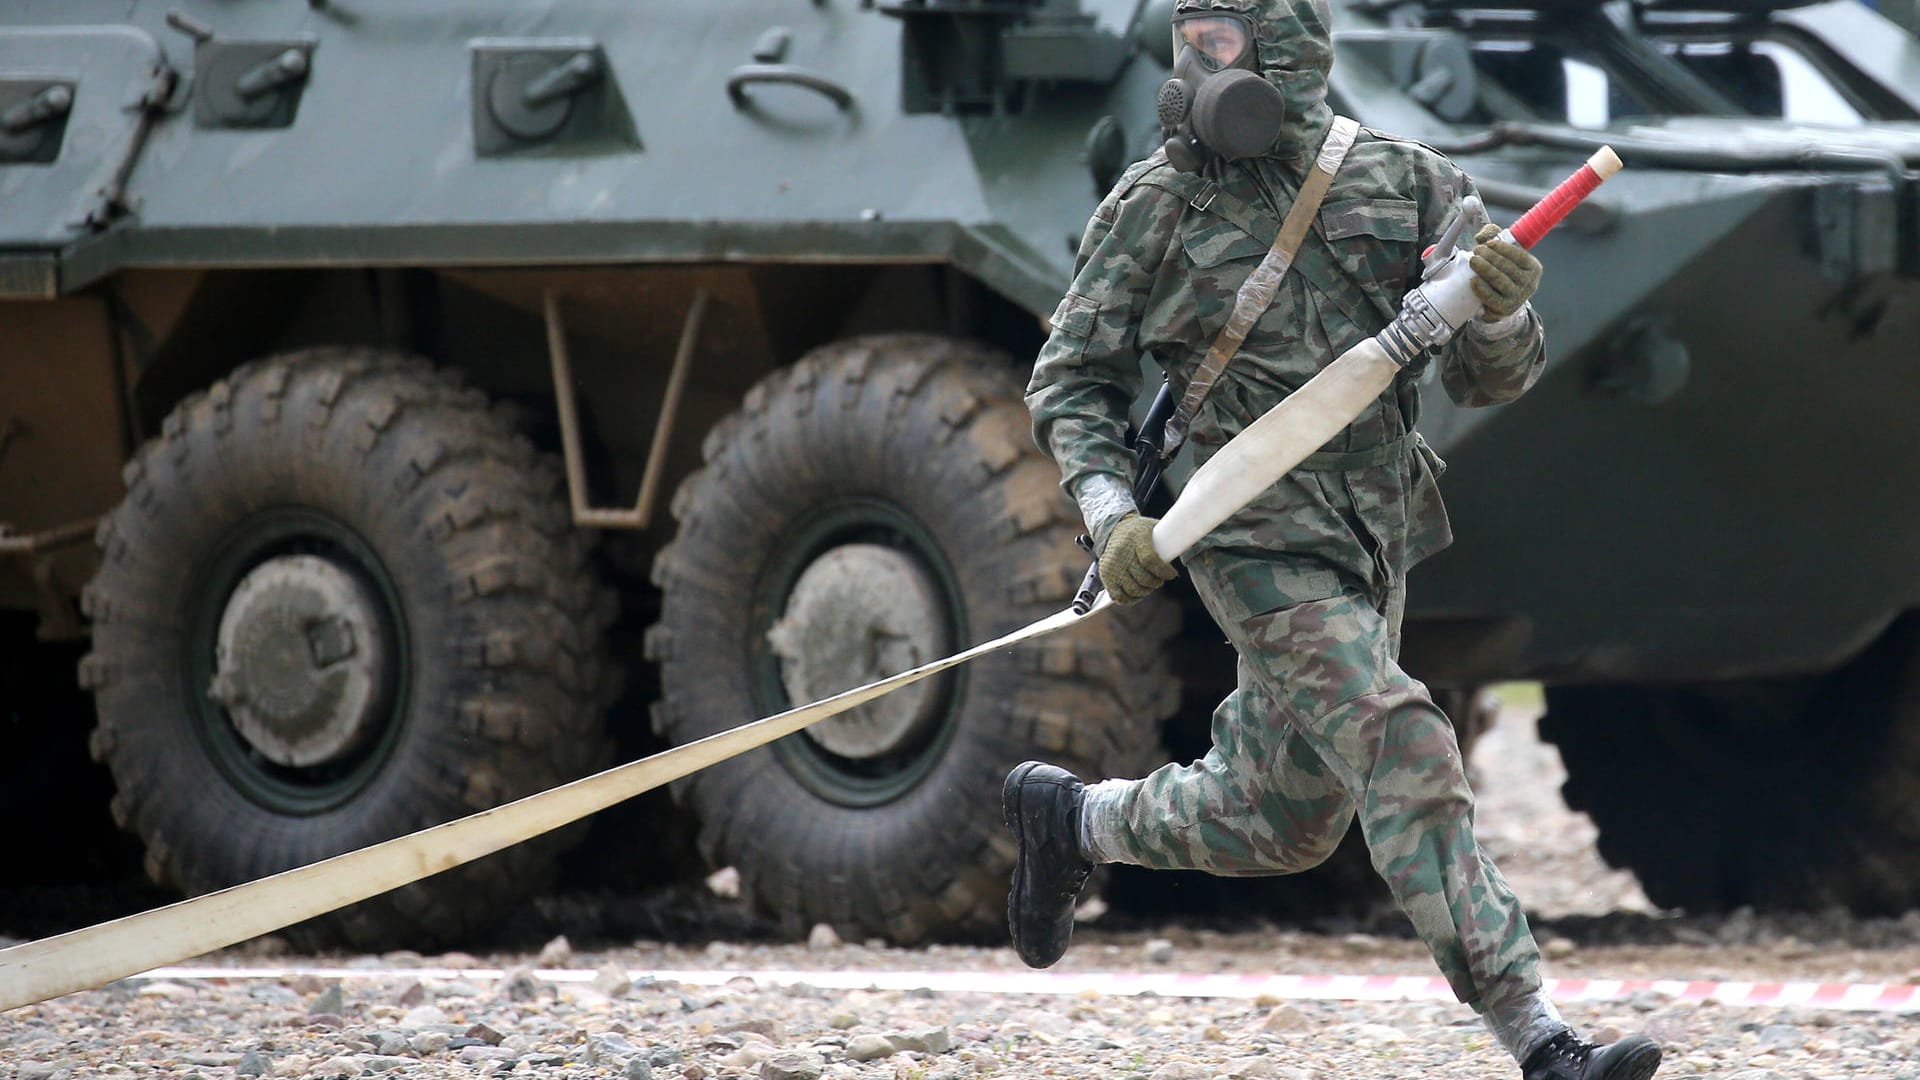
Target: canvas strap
[(1257, 292)]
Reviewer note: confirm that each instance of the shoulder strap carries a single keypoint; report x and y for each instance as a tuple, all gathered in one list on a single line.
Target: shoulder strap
[(1256, 294), (1148, 166), (1206, 196)]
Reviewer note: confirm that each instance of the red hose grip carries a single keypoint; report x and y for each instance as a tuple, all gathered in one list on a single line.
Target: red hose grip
[(1535, 223)]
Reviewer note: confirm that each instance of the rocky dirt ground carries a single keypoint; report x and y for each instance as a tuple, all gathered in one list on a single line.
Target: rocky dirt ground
[(618, 1021)]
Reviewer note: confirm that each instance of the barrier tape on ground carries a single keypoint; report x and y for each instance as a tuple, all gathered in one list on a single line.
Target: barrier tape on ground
[(1859, 997)]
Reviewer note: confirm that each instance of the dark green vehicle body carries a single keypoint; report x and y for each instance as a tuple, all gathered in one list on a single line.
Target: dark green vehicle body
[(666, 238)]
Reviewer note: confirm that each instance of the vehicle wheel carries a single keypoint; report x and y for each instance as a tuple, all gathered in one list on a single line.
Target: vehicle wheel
[(342, 602), (1792, 795), (878, 504)]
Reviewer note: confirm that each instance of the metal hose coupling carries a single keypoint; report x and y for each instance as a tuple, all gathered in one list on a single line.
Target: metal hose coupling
[(1431, 314), (1436, 310), (1415, 330)]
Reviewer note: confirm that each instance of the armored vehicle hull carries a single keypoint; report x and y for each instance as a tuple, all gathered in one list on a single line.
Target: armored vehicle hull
[(416, 409)]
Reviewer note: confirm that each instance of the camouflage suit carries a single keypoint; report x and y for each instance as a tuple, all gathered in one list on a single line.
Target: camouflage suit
[(1307, 581)]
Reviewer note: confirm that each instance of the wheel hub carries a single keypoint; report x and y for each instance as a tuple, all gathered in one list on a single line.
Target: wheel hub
[(859, 613), (301, 663)]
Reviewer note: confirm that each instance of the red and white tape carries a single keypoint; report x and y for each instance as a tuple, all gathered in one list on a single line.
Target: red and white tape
[(1870, 997)]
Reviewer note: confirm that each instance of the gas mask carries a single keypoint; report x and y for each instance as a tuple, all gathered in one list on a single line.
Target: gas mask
[(1217, 105)]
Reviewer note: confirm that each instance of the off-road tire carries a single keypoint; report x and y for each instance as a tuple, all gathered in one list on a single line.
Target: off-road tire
[(936, 430), (1790, 795), (506, 672)]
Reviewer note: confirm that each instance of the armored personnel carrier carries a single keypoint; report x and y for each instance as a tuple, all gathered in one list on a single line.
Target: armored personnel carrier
[(384, 387)]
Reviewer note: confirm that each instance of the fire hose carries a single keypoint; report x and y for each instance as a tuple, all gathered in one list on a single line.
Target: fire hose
[(1250, 463)]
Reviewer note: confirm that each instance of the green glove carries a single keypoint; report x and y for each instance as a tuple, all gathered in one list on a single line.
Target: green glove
[(1129, 567), (1505, 274)]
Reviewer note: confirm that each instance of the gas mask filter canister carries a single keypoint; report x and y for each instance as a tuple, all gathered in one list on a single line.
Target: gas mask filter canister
[(1217, 104)]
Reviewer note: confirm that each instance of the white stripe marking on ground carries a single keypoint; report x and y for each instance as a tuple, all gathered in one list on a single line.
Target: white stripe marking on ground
[(1859, 997)]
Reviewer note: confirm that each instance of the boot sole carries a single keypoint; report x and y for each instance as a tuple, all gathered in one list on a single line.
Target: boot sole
[(1640, 1065), (1010, 793)]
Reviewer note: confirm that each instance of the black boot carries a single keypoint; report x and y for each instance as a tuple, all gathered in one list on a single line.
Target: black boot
[(1565, 1057), (1041, 803)]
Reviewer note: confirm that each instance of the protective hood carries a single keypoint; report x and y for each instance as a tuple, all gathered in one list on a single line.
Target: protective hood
[(1295, 43)]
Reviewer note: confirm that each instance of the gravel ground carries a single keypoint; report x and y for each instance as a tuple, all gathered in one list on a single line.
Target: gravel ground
[(1593, 922)]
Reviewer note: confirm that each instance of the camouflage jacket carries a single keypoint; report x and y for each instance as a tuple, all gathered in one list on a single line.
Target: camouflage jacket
[(1157, 274)]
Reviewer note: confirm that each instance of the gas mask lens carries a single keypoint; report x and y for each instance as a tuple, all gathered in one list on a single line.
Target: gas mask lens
[(1221, 40)]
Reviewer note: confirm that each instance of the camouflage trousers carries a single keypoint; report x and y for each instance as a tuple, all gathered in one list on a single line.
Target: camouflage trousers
[(1323, 726)]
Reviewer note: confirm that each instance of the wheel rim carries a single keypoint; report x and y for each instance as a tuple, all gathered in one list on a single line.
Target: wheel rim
[(870, 770), (307, 772), (857, 614)]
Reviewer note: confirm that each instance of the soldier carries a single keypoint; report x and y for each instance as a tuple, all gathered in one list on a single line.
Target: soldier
[(1308, 581)]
